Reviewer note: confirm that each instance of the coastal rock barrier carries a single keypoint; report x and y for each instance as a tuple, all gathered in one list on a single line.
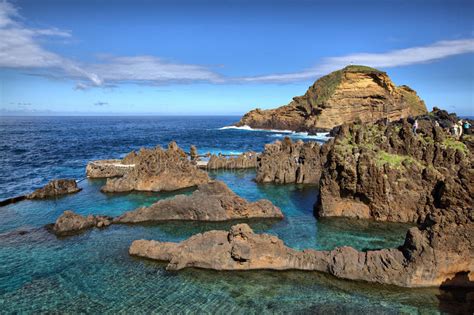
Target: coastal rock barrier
[(212, 201)]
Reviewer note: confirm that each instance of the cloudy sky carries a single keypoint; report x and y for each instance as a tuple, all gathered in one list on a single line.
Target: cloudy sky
[(223, 57)]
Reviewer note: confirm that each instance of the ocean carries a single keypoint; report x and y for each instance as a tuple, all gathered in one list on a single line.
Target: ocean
[(93, 273)]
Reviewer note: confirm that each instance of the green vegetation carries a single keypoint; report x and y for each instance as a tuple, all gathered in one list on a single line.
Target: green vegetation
[(456, 145), (359, 68), (393, 160), (416, 105), (326, 86)]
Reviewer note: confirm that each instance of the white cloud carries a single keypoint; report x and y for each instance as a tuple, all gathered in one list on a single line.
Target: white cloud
[(394, 58), (21, 49)]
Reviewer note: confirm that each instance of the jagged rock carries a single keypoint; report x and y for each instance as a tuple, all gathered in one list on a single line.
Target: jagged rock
[(245, 160), (285, 162), (158, 170), (70, 223), (426, 259), (212, 201), (193, 153), (355, 93), (107, 168), (388, 173), (55, 188)]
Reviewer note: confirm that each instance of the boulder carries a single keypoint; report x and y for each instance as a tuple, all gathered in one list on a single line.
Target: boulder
[(284, 162), (70, 223), (158, 170), (55, 188), (355, 93), (212, 201)]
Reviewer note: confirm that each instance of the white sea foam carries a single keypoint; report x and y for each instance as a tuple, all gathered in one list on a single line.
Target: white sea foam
[(248, 128)]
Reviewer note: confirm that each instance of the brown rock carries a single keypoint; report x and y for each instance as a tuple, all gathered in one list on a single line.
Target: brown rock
[(212, 201), (158, 170), (70, 223), (245, 160), (107, 168), (355, 93), (55, 188), (285, 162)]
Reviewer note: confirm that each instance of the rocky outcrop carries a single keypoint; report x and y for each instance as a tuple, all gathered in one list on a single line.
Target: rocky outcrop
[(70, 223), (355, 93), (389, 173), (430, 257), (107, 168), (212, 201), (244, 160), (157, 170), (55, 188), (285, 162)]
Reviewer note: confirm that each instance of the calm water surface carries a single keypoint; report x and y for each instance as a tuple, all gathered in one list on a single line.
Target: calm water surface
[(93, 273)]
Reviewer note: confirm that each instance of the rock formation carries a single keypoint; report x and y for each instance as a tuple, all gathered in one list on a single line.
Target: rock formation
[(212, 201), (70, 223), (388, 173), (355, 93), (107, 168), (428, 257), (55, 188), (245, 160), (286, 162), (157, 170)]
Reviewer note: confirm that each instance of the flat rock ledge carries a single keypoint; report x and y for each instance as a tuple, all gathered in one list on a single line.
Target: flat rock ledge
[(107, 168), (157, 170), (212, 201), (55, 188), (242, 161), (415, 264), (70, 223)]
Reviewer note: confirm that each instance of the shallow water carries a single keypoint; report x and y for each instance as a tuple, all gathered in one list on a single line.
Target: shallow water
[(93, 273)]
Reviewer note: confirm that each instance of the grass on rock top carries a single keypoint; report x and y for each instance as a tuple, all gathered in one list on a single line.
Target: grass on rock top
[(456, 145)]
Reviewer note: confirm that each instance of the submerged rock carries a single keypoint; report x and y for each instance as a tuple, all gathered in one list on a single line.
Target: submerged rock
[(212, 201), (55, 188), (355, 93), (244, 160), (158, 170), (70, 223), (284, 162), (426, 259)]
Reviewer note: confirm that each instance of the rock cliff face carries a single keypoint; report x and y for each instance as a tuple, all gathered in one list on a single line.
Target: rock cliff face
[(355, 93), (55, 188), (285, 162), (157, 170), (107, 168), (212, 201), (388, 173), (430, 257), (245, 160)]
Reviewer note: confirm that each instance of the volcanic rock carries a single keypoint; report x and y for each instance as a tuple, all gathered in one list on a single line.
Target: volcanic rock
[(55, 188), (158, 170), (244, 160), (355, 93), (285, 162), (212, 201), (70, 223), (388, 173), (107, 168), (426, 259)]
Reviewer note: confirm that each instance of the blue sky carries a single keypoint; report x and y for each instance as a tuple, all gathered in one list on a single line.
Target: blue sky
[(223, 57)]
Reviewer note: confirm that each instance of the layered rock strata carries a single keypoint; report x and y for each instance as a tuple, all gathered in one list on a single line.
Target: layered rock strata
[(355, 93), (284, 162), (55, 188), (245, 160), (157, 170), (389, 173), (212, 201), (429, 257)]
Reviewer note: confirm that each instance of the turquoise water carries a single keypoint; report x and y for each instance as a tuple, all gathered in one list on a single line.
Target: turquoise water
[(93, 273)]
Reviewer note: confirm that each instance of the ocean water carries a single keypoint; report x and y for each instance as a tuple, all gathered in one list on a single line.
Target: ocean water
[(93, 273)]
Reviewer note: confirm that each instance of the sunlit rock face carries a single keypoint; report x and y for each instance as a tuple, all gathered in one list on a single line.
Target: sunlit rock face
[(355, 93)]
